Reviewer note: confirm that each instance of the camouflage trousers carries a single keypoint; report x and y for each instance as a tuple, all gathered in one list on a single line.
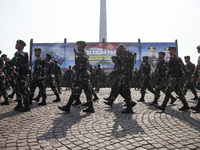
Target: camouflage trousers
[(57, 81), (191, 86), (3, 87), (22, 88), (40, 84), (77, 88), (146, 85), (51, 82), (173, 85)]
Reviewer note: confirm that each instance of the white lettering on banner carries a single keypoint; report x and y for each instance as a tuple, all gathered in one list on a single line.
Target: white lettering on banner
[(99, 52)]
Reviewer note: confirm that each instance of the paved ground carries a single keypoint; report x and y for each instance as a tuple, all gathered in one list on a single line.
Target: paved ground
[(46, 127)]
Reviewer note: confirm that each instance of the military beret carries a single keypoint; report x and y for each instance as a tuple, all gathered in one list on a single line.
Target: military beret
[(3, 55), (70, 66), (187, 57), (152, 49), (163, 53), (38, 49), (120, 45), (198, 47), (49, 55), (0, 51), (172, 48), (98, 65), (81, 42), (145, 57), (56, 61), (21, 42), (114, 57)]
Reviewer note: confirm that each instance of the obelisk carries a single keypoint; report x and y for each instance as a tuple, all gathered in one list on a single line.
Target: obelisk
[(103, 22)]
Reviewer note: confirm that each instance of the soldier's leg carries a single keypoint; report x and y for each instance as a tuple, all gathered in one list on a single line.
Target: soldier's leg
[(143, 91), (88, 92), (42, 93), (32, 87), (5, 96), (53, 87), (192, 88), (182, 98), (76, 90), (156, 95), (197, 107)]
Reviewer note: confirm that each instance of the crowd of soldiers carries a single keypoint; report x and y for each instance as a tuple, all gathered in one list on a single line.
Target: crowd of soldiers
[(166, 76)]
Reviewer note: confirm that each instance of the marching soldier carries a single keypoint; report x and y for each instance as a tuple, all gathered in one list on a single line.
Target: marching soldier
[(68, 76), (175, 72), (81, 78), (190, 68), (58, 75), (195, 74), (160, 74), (145, 70), (123, 87), (20, 61), (98, 77), (38, 78)]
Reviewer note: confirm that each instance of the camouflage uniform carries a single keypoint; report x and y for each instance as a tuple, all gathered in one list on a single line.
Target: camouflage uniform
[(58, 74), (190, 67), (38, 71), (176, 70), (68, 77), (144, 71), (3, 89), (81, 79), (160, 74), (97, 78), (10, 77), (20, 61), (124, 85)]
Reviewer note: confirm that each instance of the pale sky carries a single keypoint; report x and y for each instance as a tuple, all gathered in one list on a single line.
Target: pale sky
[(50, 21)]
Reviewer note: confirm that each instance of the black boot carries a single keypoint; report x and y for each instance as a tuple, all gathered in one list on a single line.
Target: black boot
[(155, 102), (107, 99), (185, 105), (90, 109), (130, 105), (5, 102), (195, 96), (59, 90), (109, 103), (11, 95), (25, 108), (57, 98), (37, 99), (95, 98), (164, 104), (19, 105), (141, 99), (66, 107), (173, 99), (77, 102), (85, 104), (43, 101)]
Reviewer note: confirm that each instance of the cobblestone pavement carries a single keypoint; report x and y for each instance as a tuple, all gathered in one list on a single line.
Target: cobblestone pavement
[(46, 127)]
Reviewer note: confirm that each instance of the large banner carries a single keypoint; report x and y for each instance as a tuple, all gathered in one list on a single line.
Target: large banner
[(100, 53)]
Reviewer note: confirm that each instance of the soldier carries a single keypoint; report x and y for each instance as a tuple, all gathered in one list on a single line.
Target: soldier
[(145, 70), (98, 77), (190, 67), (114, 76), (3, 82), (167, 55), (20, 61), (38, 78), (197, 74), (81, 78), (153, 60), (58, 75), (160, 74), (123, 87), (175, 72), (69, 77), (136, 79)]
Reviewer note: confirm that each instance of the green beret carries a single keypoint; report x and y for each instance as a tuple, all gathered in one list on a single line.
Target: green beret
[(145, 57), (120, 46), (3, 55), (70, 66), (187, 57), (163, 53), (56, 61), (98, 65), (38, 49), (114, 57), (81, 42), (198, 47), (21, 42), (172, 48), (0, 51), (152, 49), (49, 55)]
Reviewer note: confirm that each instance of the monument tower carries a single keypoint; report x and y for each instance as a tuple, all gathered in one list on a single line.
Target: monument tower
[(103, 22)]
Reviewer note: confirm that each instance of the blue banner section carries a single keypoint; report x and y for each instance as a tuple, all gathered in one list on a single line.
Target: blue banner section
[(101, 53)]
